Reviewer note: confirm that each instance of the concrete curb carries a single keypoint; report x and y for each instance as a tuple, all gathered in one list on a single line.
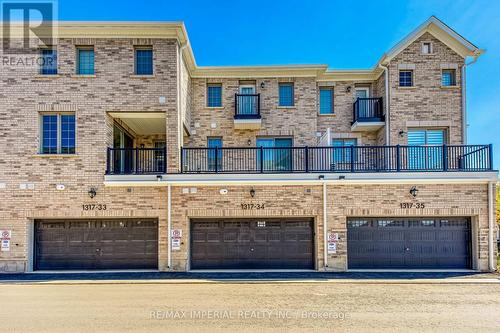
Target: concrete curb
[(485, 281)]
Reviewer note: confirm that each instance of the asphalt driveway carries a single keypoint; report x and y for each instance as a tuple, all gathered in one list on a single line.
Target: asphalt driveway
[(250, 276), (242, 307)]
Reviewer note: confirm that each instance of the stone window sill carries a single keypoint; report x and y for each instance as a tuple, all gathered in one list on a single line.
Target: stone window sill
[(47, 76), (450, 87), (214, 107), (407, 88), (135, 76), (83, 76), (327, 114), (291, 107), (54, 155)]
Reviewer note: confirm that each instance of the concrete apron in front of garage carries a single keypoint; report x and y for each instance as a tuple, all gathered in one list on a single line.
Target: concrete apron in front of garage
[(146, 277)]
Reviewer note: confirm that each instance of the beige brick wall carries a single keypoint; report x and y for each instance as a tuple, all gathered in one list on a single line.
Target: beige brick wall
[(426, 104), (298, 122), (23, 94), (343, 201), (426, 101), (466, 200)]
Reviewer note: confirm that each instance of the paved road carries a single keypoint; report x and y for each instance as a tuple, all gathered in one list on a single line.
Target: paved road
[(234, 307)]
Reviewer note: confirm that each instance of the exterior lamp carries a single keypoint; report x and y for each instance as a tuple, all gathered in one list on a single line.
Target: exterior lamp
[(252, 192), (414, 191), (92, 192)]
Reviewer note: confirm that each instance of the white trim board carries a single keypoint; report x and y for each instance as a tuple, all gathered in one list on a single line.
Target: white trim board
[(303, 179)]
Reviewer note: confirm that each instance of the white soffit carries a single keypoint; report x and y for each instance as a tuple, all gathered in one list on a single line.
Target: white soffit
[(143, 123)]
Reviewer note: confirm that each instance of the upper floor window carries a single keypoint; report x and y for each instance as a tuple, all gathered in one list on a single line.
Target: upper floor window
[(58, 134), (426, 48), (326, 100), (48, 63), (448, 78), (144, 61), (286, 94), (85, 65), (406, 78), (214, 95)]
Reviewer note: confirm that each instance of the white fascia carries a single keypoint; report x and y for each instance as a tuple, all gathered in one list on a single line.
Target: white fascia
[(302, 179)]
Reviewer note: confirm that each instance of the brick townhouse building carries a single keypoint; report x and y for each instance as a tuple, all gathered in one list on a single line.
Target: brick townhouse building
[(119, 152)]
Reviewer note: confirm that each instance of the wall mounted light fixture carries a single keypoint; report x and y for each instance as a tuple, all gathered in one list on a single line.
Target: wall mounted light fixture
[(252, 192), (262, 85), (92, 192), (414, 191), (402, 133)]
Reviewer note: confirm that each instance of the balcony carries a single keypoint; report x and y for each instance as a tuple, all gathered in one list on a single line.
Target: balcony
[(136, 161), (247, 111), (367, 115), (350, 159)]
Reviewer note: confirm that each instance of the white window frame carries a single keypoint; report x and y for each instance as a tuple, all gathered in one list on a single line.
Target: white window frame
[(367, 89), (214, 84), (412, 78), (431, 47), (241, 87), (59, 131), (454, 70)]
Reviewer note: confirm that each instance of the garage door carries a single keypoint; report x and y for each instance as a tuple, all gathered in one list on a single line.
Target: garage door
[(252, 244), (96, 244), (413, 243)]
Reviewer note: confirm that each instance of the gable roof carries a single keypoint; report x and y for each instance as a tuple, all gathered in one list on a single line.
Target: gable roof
[(442, 32)]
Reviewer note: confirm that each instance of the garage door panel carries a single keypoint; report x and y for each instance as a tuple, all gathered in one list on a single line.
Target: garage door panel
[(408, 243), (96, 244), (253, 244)]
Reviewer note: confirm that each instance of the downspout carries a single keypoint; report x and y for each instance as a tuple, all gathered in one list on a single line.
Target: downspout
[(387, 117), (179, 87), (491, 226), (464, 99), (169, 226), (325, 228)]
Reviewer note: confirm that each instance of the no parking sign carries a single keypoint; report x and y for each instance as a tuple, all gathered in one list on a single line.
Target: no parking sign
[(5, 236), (176, 239)]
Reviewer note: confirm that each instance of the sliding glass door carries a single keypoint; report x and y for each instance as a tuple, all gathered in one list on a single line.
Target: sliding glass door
[(278, 155), (425, 151)]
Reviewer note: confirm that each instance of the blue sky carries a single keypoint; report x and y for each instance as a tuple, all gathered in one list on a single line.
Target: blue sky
[(341, 34)]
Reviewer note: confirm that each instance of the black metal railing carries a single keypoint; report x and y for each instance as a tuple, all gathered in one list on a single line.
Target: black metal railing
[(125, 161), (247, 106), (337, 159), (368, 109)]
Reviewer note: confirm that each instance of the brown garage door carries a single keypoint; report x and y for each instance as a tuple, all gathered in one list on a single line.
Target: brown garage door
[(417, 243), (96, 244), (252, 244)]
